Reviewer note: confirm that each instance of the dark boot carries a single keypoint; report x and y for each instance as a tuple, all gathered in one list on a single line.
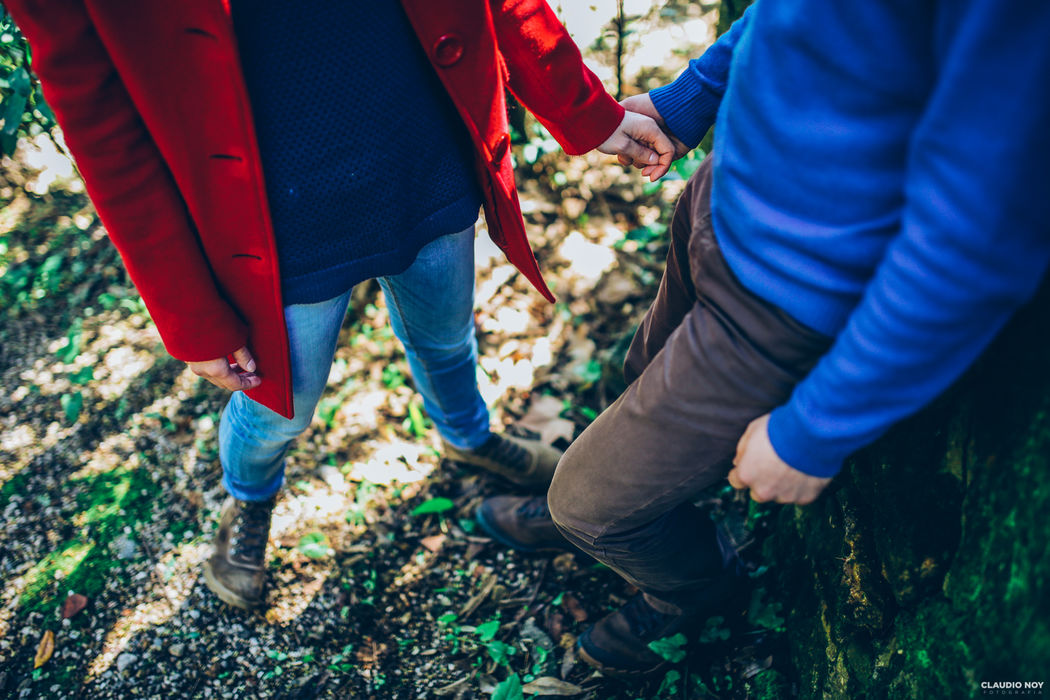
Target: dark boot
[(528, 463), (618, 644), (235, 571), (521, 523)]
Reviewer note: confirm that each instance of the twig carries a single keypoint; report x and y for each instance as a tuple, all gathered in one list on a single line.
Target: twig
[(532, 598)]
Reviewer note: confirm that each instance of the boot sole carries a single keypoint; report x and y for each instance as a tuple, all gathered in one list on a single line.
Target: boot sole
[(225, 594), (613, 672)]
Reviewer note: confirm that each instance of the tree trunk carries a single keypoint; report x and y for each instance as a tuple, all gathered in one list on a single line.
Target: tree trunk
[(926, 570)]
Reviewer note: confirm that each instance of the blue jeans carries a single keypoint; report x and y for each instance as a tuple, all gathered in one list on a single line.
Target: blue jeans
[(431, 306)]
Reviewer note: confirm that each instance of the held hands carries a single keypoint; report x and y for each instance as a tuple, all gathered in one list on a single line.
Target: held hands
[(643, 104), (236, 377), (638, 141), (757, 467)]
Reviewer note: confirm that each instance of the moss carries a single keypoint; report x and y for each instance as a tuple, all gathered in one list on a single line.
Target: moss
[(769, 685), (927, 570), (17, 484), (108, 503)]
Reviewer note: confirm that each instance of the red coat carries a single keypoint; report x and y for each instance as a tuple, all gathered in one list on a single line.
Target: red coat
[(153, 106)]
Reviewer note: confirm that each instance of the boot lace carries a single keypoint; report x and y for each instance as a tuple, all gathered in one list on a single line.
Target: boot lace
[(534, 508), (506, 452), (252, 530)]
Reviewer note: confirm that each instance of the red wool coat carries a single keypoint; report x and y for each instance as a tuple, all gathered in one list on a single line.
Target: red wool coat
[(153, 105)]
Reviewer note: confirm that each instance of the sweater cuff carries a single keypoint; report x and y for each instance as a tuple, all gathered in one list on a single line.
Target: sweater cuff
[(687, 107), (795, 442)]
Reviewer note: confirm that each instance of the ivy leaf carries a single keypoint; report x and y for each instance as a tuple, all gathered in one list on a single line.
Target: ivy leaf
[(713, 630), (487, 631), (434, 505), (500, 652), (509, 689), (762, 613), (670, 648)]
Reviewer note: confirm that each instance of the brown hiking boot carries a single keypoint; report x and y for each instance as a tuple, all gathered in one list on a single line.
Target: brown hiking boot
[(236, 572), (528, 463), (521, 523), (618, 644)]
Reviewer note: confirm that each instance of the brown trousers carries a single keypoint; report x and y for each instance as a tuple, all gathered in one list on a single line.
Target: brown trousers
[(709, 357)]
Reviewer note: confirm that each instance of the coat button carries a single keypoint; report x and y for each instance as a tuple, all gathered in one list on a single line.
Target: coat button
[(448, 49), (500, 149)]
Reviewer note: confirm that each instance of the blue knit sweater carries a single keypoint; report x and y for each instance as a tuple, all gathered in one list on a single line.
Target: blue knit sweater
[(880, 173), (364, 155)]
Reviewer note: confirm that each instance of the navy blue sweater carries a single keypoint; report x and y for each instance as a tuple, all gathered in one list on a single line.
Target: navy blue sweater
[(364, 155), (880, 173)]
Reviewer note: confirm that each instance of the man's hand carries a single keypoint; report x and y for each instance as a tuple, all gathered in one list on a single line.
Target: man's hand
[(638, 141), (643, 104), (757, 467), (236, 377)]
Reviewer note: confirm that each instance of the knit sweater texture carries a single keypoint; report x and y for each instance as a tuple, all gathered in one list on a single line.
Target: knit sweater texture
[(364, 156), (880, 173)]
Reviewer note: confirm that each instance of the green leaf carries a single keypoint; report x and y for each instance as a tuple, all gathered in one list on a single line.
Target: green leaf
[(670, 683), (71, 405), (487, 630), (670, 648), (415, 416), (83, 376), (713, 630), (687, 166), (315, 545), (509, 689), (72, 348), (15, 102), (392, 377), (764, 614), (434, 505), (500, 652), (41, 106)]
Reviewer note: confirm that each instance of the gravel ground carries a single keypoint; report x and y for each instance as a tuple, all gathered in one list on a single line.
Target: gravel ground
[(109, 482)]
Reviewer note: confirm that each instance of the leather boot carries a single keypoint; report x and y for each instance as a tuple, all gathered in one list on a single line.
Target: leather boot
[(236, 570), (521, 523), (527, 463)]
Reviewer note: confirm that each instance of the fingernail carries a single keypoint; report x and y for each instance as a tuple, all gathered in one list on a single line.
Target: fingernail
[(652, 158), (250, 366)]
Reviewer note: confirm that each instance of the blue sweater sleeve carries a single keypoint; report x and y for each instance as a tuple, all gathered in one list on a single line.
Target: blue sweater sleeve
[(689, 104), (974, 241)]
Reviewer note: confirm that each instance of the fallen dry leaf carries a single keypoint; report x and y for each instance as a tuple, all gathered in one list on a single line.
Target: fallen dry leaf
[(549, 685), (433, 542), (544, 417), (44, 650), (574, 608), (74, 604)]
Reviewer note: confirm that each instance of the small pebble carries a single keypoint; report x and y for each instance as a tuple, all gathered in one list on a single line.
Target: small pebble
[(125, 660)]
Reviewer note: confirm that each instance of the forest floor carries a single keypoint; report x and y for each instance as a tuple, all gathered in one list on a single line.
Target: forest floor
[(382, 586)]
